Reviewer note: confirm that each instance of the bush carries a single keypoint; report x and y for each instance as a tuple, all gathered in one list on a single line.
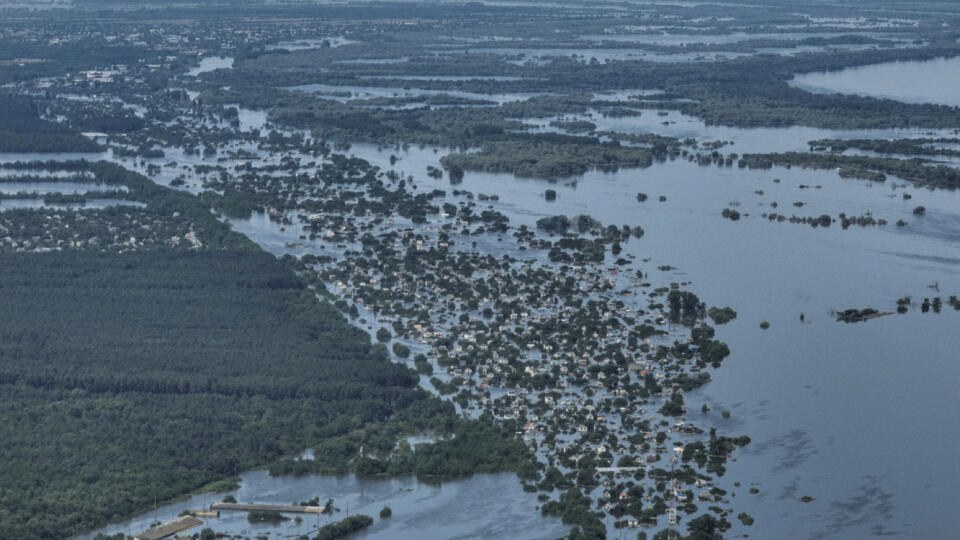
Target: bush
[(401, 350), (722, 315)]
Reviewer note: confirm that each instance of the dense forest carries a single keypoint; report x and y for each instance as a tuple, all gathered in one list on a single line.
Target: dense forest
[(22, 130), (129, 377)]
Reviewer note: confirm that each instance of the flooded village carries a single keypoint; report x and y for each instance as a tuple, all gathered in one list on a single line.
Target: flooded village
[(602, 273)]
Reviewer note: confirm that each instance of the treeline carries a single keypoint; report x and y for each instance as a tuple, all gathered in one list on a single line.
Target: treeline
[(915, 170), (72, 165), (910, 147)]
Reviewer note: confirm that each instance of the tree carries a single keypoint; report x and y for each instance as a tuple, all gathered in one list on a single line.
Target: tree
[(704, 527), (329, 508), (684, 305), (455, 173)]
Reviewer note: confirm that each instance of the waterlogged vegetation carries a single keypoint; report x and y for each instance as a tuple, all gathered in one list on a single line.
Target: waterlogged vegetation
[(922, 173), (268, 517), (722, 315), (910, 147), (860, 315), (549, 156), (344, 527), (551, 345), (903, 305)]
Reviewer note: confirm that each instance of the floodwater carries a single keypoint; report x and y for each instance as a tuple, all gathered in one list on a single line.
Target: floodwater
[(718, 40), (481, 506), (857, 416), (13, 157), (211, 63), (535, 55), (929, 81), (663, 38), (458, 78), (744, 140), (90, 204), (72, 188), (307, 44), (850, 414), (373, 61)]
